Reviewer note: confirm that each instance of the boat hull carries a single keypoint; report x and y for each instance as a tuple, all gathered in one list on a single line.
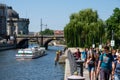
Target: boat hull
[(30, 53)]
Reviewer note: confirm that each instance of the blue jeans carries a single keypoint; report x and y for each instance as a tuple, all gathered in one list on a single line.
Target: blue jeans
[(117, 77), (104, 74)]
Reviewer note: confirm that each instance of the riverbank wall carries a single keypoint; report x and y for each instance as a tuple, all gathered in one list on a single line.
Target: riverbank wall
[(7, 46)]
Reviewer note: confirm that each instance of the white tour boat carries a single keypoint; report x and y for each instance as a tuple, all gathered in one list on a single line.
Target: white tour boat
[(31, 53)]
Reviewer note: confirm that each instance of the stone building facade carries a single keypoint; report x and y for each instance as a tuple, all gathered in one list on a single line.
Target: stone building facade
[(16, 25), (3, 20), (10, 22)]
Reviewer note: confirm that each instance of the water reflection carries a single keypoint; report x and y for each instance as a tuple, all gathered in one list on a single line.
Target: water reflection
[(42, 68)]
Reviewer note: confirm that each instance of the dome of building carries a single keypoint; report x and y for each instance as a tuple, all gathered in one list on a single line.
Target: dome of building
[(2, 5), (12, 13)]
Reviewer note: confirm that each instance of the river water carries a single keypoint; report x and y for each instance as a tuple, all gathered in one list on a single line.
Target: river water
[(42, 68)]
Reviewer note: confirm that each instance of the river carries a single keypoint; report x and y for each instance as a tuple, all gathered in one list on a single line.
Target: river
[(42, 68)]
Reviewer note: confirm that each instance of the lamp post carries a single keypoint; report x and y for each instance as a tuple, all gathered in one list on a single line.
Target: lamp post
[(93, 45), (41, 31), (100, 44), (41, 25), (112, 40), (100, 37)]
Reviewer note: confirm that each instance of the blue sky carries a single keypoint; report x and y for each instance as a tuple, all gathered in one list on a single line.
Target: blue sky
[(55, 13)]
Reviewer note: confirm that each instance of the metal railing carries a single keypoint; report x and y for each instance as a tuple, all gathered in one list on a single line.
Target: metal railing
[(73, 65)]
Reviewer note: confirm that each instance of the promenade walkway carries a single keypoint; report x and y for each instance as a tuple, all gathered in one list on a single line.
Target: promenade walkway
[(70, 69), (86, 74)]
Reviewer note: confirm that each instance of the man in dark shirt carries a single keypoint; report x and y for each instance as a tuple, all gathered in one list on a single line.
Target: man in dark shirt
[(77, 54)]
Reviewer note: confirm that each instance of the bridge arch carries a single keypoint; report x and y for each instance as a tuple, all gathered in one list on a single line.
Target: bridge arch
[(22, 43), (49, 40)]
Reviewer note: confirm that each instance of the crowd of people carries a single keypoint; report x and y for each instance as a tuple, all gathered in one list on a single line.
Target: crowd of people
[(101, 64)]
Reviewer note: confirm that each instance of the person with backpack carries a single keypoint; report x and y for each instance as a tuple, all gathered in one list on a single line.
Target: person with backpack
[(105, 63)]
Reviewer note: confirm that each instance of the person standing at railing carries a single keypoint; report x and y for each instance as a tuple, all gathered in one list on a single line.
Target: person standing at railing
[(84, 56), (77, 54)]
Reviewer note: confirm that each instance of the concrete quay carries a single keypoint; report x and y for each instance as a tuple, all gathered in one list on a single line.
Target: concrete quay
[(7, 47), (68, 73)]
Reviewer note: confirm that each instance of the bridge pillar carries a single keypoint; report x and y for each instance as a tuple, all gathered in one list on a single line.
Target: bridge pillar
[(46, 47), (41, 40)]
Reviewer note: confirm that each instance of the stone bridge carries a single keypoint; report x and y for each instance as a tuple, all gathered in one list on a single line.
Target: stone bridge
[(43, 40)]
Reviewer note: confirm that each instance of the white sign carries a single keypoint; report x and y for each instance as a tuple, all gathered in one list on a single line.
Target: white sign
[(93, 45), (112, 43), (100, 47)]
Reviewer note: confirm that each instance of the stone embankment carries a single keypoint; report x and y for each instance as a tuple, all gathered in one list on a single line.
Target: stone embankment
[(7, 46)]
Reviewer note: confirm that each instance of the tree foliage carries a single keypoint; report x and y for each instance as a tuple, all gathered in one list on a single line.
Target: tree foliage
[(113, 23), (84, 28), (47, 32)]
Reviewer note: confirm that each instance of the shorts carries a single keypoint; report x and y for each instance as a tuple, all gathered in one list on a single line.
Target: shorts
[(91, 68)]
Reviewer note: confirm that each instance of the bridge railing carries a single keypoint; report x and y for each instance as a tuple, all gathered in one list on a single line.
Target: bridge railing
[(72, 61), (39, 36)]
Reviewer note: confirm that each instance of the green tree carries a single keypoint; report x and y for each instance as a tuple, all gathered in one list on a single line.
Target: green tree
[(113, 23), (47, 32), (83, 28)]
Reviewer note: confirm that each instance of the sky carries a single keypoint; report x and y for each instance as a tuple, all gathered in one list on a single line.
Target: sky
[(56, 13)]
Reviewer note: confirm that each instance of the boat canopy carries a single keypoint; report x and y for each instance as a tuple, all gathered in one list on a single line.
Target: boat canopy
[(24, 52)]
